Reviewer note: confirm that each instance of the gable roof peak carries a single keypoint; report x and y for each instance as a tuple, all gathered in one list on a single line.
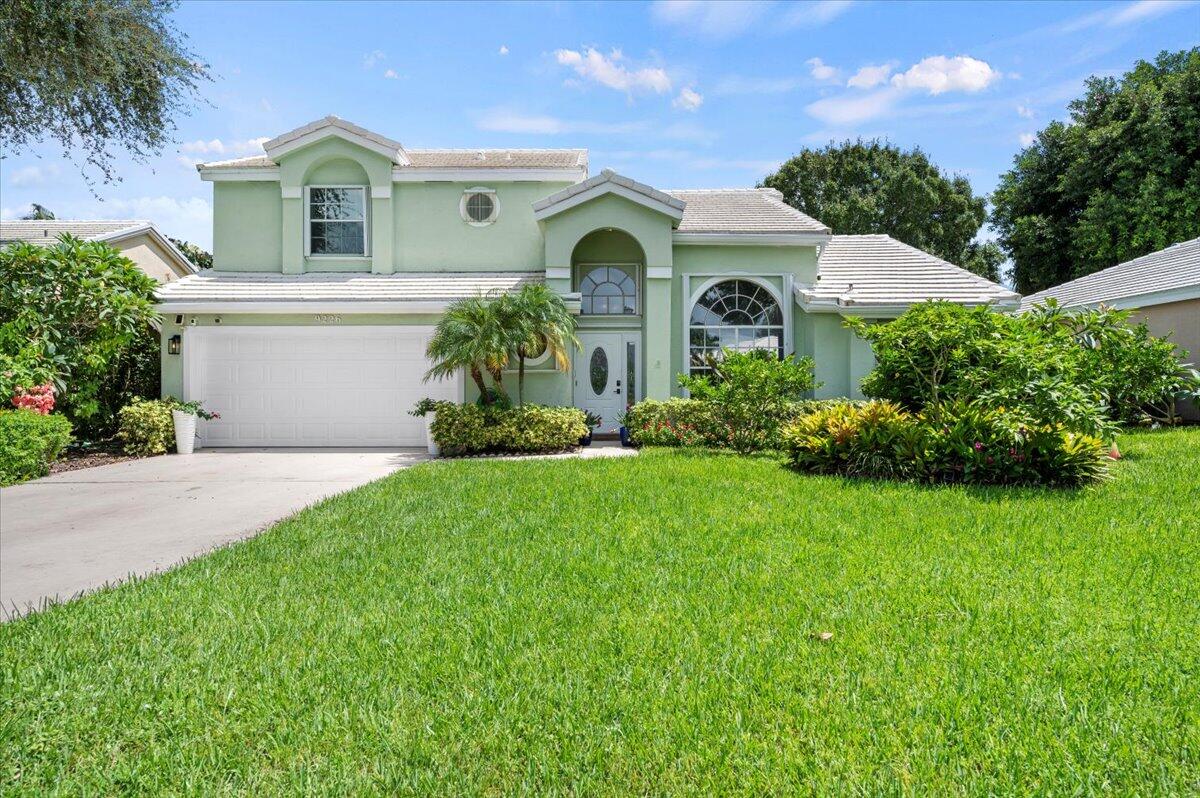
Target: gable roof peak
[(331, 125)]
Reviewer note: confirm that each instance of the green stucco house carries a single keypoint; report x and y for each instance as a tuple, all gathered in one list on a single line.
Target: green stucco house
[(335, 252)]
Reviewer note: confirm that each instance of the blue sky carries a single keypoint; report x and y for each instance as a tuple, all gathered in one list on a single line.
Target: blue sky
[(676, 94)]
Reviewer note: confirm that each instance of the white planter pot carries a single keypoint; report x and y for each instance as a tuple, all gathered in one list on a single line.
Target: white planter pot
[(185, 431), (430, 443)]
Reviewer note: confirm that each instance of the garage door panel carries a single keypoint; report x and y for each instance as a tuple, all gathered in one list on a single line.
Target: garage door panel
[(306, 386)]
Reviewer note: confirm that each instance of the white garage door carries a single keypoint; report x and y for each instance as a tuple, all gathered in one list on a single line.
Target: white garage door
[(311, 386)]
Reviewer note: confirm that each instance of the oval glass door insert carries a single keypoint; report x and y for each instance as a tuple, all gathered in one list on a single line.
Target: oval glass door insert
[(599, 370)]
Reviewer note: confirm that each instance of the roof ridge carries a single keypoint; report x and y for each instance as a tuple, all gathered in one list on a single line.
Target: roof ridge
[(496, 149)]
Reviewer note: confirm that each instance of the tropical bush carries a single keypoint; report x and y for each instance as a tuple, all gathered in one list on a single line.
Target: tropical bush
[(752, 394), (950, 443), (1082, 369), (71, 314), (29, 442), (146, 427), (487, 429), (695, 422)]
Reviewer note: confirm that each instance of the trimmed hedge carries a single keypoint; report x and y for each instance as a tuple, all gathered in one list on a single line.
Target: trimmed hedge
[(474, 429), (695, 422), (951, 443), (145, 427), (29, 443)]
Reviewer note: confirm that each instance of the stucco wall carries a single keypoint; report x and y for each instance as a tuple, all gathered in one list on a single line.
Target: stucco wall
[(1182, 320), (149, 256)]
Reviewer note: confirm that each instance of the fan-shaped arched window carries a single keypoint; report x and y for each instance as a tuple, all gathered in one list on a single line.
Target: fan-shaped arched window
[(733, 314), (607, 290)]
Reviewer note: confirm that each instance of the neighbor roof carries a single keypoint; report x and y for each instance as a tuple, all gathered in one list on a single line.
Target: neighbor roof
[(47, 231), (1169, 275), (742, 210), (877, 271), (232, 288)]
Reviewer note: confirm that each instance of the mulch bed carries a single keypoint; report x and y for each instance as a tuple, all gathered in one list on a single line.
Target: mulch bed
[(89, 456)]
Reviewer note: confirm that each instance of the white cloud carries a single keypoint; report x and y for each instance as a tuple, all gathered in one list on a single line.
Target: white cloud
[(219, 147), (1025, 112), (870, 76), (33, 175), (688, 99), (815, 14), (189, 218), (1026, 139), (710, 19), (1128, 14), (820, 70), (850, 109), (608, 70), (939, 74), (504, 49), (372, 58), (391, 74)]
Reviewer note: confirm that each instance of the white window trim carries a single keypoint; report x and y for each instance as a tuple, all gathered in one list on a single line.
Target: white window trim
[(308, 253), (693, 295), (462, 206), (583, 268)]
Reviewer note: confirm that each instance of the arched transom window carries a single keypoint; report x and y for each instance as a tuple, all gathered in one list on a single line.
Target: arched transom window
[(733, 314), (608, 290)]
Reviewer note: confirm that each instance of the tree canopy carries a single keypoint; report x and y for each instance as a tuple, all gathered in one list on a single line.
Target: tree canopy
[(92, 74), (200, 258), (859, 187), (1119, 180)]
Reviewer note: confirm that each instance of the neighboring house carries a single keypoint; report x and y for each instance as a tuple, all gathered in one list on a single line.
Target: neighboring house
[(1164, 288), (335, 253), (139, 241)]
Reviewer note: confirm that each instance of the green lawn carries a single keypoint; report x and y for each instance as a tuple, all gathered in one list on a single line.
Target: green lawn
[(643, 625)]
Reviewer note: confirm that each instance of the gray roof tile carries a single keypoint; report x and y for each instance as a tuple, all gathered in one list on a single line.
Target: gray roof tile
[(1177, 266), (216, 286), (39, 231), (742, 210), (877, 270)]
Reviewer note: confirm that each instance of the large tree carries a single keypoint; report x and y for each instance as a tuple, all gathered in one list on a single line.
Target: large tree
[(1121, 179), (93, 74), (875, 187)]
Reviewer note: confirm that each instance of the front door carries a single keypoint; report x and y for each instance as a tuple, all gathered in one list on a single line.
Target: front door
[(606, 375)]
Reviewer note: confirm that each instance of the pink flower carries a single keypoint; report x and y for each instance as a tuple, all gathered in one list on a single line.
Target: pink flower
[(978, 446), (39, 399)]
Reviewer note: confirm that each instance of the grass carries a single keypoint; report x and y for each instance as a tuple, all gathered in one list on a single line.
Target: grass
[(646, 625)]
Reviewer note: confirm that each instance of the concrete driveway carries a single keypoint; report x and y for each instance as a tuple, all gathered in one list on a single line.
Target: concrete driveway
[(80, 530)]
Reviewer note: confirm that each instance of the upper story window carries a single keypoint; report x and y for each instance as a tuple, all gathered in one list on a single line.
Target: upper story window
[(478, 206), (608, 290), (337, 220)]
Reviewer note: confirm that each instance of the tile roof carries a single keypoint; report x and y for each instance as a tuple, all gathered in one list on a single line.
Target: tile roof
[(1173, 268), (742, 210), (877, 270), (605, 183), (340, 124), (47, 231), (216, 286)]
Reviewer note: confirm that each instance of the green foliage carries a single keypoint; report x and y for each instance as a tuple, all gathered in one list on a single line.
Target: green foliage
[(93, 74), (78, 313), (29, 443), (482, 429), (200, 258), (473, 334), (861, 187), (146, 427), (939, 352), (675, 422), (751, 393), (1121, 180), (538, 321), (37, 212), (983, 259), (951, 443)]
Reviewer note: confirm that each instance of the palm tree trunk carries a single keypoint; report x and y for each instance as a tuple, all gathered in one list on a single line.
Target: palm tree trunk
[(498, 378), (485, 395), (520, 380)]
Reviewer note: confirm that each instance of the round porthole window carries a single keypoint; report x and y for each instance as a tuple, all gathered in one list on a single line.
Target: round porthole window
[(479, 206)]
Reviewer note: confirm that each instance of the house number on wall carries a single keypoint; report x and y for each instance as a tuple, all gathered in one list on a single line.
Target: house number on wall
[(328, 318)]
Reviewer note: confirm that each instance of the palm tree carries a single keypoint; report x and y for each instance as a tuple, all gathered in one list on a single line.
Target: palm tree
[(539, 321), (473, 334)]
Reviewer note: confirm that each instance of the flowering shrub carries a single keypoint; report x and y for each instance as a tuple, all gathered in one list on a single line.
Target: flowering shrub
[(955, 443), (39, 399), (696, 422), (145, 427), (29, 442), (477, 429)]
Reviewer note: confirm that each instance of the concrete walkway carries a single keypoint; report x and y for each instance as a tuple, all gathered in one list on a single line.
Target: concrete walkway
[(80, 530)]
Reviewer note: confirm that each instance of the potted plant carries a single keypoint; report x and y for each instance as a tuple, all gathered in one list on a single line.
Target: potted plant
[(427, 408), (184, 414), (624, 431), (592, 420)]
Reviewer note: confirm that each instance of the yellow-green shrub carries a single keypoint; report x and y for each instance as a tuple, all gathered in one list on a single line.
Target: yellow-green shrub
[(472, 429), (145, 427), (29, 443)]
